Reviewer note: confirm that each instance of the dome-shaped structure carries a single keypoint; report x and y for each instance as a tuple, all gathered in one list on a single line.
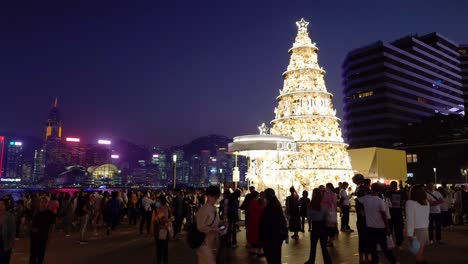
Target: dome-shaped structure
[(106, 174)]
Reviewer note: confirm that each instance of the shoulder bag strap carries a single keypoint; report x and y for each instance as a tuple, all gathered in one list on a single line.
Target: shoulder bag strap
[(432, 195), (214, 218)]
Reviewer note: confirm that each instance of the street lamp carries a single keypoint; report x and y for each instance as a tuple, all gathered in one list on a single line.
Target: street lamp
[(464, 172), (174, 158), (435, 176)]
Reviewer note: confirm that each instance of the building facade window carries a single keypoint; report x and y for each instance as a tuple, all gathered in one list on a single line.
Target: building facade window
[(422, 100), (363, 94), (411, 158)]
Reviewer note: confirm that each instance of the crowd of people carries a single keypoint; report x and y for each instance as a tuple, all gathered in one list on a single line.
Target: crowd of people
[(386, 216)]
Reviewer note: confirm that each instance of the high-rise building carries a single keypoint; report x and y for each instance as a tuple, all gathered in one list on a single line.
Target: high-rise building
[(14, 157), (55, 151), (54, 123), (39, 165), (387, 85), (204, 167), (463, 51), (2, 153)]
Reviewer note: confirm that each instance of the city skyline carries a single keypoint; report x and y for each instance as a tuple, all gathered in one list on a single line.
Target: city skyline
[(159, 74)]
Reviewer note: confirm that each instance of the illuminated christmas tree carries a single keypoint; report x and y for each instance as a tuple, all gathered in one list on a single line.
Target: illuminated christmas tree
[(305, 112)]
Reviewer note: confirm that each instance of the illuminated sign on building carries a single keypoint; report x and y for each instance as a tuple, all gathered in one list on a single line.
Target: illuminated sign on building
[(16, 143), (104, 142), (115, 156), (10, 179), (69, 139)]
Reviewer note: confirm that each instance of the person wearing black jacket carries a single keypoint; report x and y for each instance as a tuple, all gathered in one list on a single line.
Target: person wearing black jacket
[(273, 228)]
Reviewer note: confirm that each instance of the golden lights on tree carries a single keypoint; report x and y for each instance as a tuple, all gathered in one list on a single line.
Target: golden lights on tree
[(305, 112)]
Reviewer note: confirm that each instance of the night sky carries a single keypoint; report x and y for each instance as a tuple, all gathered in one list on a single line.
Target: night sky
[(166, 72)]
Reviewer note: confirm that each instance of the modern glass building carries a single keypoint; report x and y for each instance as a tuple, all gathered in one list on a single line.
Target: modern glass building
[(387, 85)]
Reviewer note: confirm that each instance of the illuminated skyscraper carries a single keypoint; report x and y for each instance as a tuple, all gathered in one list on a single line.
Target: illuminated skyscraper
[(2, 151), (55, 158), (54, 123), (39, 164), (14, 159), (390, 85)]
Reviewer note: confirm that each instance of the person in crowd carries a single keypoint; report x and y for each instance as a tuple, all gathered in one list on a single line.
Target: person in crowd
[(446, 212), (273, 229), (367, 185), (179, 211), (245, 204), (146, 203), (458, 206), (7, 233), (464, 197), (97, 219), (20, 217), (417, 219), (397, 200), (83, 213), (377, 223), (293, 213), (256, 211), (329, 201), (161, 228), (303, 205), (233, 217), (435, 199), (344, 202), (208, 222), (67, 214), (112, 211), (224, 205), (41, 230), (132, 209), (53, 206), (363, 249), (317, 214), (86, 217)]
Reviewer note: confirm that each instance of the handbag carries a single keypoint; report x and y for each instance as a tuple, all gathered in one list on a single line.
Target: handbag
[(195, 238), (390, 243), (414, 246), (331, 219), (163, 234)]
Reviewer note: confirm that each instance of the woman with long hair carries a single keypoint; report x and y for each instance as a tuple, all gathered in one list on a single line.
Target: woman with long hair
[(329, 201), (317, 214), (273, 229), (417, 220)]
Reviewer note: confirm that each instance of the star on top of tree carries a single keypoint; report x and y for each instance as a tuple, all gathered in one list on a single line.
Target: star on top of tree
[(263, 129), (302, 24)]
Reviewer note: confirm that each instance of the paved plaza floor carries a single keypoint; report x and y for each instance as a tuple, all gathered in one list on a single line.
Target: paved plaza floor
[(126, 246)]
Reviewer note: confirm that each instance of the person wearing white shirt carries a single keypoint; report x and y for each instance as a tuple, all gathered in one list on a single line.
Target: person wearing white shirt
[(146, 203), (344, 201), (417, 219), (377, 223), (435, 199), (396, 198)]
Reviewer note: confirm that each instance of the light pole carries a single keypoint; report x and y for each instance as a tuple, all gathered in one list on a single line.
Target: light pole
[(174, 182), (435, 177), (464, 172)]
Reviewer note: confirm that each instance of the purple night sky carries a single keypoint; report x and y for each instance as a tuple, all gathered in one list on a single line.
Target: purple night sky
[(157, 72)]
